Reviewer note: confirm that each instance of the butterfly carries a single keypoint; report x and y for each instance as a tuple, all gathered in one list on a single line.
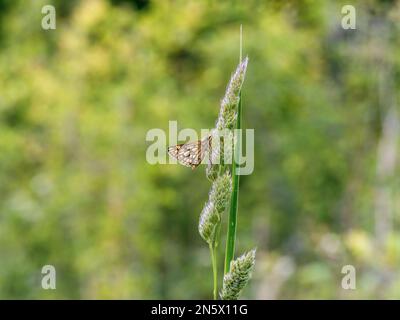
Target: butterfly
[(191, 154)]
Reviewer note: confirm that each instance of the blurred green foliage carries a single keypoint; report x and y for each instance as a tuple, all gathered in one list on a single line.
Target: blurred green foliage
[(76, 103)]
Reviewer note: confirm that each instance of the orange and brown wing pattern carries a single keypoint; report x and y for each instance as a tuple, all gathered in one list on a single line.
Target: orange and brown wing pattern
[(190, 154)]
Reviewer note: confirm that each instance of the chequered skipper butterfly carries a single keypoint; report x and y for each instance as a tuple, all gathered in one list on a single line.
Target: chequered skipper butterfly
[(191, 154)]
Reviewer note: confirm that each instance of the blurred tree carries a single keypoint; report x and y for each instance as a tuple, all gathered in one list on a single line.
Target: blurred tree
[(76, 103)]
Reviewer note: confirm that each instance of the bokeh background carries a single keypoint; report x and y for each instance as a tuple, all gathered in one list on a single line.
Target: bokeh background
[(76, 103)]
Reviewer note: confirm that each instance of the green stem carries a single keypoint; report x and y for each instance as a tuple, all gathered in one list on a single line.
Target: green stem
[(213, 253), (232, 220)]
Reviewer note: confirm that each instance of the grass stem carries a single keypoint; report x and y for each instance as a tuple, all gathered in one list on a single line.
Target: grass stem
[(232, 220), (213, 253)]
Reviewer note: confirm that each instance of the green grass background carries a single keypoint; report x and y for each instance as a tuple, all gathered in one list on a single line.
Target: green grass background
[(76, 104)]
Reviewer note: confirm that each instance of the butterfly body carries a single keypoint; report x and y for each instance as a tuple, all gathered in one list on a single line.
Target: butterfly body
[(190, 154)]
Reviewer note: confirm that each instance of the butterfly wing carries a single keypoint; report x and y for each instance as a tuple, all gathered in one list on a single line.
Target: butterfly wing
[(190, 154)]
